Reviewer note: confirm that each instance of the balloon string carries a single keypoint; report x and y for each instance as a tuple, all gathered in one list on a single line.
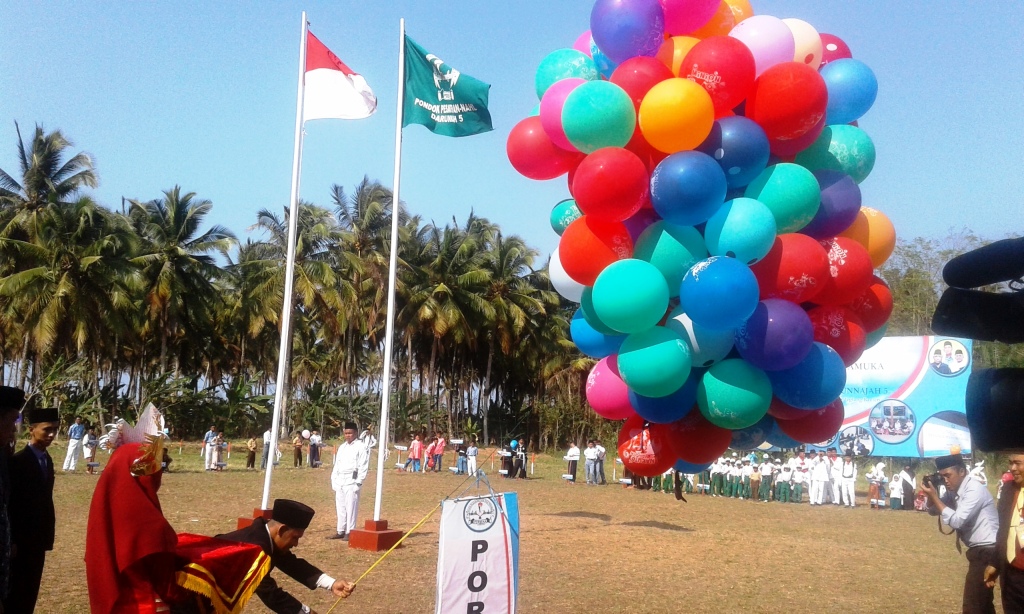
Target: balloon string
[(402, 539)]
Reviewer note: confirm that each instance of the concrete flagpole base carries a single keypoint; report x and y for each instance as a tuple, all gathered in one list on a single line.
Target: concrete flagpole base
[(374, 536), (256, 513)]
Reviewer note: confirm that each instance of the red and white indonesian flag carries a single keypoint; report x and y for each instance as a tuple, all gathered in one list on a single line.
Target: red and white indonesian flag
[(332, 90)]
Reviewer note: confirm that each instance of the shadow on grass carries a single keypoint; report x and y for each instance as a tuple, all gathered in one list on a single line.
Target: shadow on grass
[(654, 524), (582, 514)]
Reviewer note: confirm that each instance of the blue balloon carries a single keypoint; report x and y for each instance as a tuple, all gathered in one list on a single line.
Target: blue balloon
[(604, 64), (840, 204), (591, 342), (514, 444), (687, 188), (719, 293), (814, 382), (781, 440), (852, 88), (627, 28), (740, 147), (662, 410), (752, 436), (743, 228), (684, 467), (707, 345)]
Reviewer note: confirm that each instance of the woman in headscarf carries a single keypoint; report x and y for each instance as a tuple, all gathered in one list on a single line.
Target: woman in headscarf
[(909, 485)]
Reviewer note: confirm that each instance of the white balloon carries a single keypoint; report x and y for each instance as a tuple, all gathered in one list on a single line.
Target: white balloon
[(808, 42), (566, 286), (305, 433)]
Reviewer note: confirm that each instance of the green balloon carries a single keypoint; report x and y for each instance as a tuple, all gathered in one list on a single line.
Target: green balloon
[(734, 394), (843, 148), (672, 250), (587, 305), (875, 336), (564, 213), (563, 64), (598, 114), (655, 362), (630, 295), (790, 192)]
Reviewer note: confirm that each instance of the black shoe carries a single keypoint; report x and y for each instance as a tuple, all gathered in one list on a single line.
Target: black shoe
[(337, 536), (344, 537)]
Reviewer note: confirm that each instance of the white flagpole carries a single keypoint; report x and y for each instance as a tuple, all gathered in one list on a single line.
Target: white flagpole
[(283, 356), (389, 329)]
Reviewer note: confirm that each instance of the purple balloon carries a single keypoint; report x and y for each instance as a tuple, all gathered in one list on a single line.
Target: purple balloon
[(768, 38), (624, 29), (778, 335), (840, 203), (639, 222)]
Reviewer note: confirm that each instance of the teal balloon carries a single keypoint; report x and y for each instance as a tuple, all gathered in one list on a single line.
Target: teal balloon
[(742, 228), (587, 307), (564, 213), (707, 345), (734, 394), (843, 148), (790, 192), (563, 64), (655, 362), (630, 295), (875, 336), (535, 112), (672, 250), (598, 114)]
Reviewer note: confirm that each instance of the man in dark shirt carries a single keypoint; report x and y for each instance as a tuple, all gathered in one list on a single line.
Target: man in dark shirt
[(277, 537), (31, 510), (11, 402)]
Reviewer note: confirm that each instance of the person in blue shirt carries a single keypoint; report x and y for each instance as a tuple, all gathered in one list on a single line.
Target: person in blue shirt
[(75, 433)]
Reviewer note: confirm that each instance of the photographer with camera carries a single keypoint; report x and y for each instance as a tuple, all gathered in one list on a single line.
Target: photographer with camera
[(969, 509)]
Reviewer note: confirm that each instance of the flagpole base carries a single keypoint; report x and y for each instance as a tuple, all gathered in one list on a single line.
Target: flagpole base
[(374, 536), (244, 523)]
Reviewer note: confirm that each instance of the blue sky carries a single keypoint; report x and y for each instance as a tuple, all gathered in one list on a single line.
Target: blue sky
[(202, 94)]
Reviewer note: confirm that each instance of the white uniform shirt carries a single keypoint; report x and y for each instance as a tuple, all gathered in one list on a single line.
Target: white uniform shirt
[(785, 475), (746, 470), (351, 463), (820, 469), (848, 471), (590, 453), (573, 454)]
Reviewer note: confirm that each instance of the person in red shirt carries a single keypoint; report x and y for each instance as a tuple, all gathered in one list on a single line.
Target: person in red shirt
[(439, 444), (415, 454)]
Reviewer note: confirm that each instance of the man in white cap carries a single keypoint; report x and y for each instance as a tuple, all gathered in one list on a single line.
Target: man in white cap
[(351, 463)]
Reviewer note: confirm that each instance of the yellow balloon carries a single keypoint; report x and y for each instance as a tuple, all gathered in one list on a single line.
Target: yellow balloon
[(674, 49), (741, 9), (676, 115), (723, 21), (874, 231)]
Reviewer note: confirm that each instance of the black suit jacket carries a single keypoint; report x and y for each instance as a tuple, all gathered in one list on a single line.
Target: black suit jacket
[(272, 595), (33, 520), (1007, 501)]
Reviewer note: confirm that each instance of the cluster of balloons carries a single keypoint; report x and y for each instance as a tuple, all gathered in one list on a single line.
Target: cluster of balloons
[(715, 239)]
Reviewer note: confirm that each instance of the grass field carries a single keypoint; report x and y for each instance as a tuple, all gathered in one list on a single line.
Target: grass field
[(583, 549)]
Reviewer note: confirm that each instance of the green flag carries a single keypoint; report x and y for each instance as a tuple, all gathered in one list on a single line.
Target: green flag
[(441, 98)]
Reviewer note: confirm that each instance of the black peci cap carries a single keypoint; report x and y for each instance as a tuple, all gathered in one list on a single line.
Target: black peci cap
[(11, 398), (945, 462), (40, 414), (292, 513)]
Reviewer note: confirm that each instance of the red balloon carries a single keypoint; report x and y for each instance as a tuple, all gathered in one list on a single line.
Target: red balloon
[(644, 448), (724, 67), (788, 100), (782, 411), (588, 245), (850, 272), (611, 184), (841, 329), (533, 154), (817, 425), (874, 306), (638, 75), (786, 148), (833, 48), (795, 269), (651, 157), (695, 440)]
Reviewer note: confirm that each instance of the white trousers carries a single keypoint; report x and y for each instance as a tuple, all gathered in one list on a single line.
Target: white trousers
[(848, 484), (71, 460), (209, 456), (835, 491), (817, 494), (471, 465), (346, 501)]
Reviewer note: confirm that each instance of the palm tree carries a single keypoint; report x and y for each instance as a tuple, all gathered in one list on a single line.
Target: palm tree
[(177, 264)]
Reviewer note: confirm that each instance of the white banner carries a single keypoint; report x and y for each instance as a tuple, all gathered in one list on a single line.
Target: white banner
[(478, 555)]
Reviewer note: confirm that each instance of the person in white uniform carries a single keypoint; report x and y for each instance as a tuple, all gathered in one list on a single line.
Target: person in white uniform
[(848, 480), (835, 475), (820, 474), (351, 463)]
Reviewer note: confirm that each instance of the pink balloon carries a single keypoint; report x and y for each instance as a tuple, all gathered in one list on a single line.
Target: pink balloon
[(685, 16), (768, 38), (833, 48), (551, 111), (582, 44), (606, 392)]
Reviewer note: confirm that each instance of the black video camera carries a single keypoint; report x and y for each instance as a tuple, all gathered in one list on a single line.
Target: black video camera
[(933, 481), (995, 397)]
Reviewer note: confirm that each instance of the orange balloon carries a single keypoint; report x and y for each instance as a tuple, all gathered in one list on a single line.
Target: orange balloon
[(588, 245), (676, 115), (674, 49), (875, 232), (720, 24), (741, 9)]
